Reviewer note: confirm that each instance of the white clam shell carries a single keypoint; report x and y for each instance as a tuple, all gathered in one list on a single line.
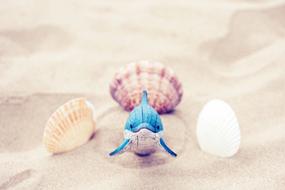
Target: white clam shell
[(163, 87), (218, 131), (70, 126)]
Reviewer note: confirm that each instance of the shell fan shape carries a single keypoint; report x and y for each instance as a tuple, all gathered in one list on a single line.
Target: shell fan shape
[(163, 87), (218, 131), (70, 126)]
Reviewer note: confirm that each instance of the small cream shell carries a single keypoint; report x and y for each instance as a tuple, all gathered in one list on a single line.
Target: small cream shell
[(70, 126), (163, 87), (218, 131)]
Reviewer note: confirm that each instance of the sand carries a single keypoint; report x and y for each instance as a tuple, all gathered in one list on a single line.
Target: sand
[(52, 51)]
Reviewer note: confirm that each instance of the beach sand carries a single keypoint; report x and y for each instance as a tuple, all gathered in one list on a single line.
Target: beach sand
[(52, 51)]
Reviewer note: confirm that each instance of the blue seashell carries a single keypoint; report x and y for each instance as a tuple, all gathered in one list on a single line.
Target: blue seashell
[(143, 131)]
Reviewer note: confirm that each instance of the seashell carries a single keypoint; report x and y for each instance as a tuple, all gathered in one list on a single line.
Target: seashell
[(70, 126), (163, 87), (218, 130)]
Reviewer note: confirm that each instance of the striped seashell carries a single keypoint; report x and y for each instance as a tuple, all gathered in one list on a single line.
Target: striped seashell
[(70, 126), (218, 131), (163, 87)]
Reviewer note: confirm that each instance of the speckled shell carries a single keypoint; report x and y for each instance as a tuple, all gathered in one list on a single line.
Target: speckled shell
[(70, 126), (163, 87), (218, 131)]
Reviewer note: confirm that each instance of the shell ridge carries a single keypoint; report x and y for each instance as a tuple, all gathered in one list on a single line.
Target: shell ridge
[(161, 83), (218, 130), (69, 126)]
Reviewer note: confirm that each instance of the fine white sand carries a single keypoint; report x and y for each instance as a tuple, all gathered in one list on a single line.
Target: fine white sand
[(52, 51)]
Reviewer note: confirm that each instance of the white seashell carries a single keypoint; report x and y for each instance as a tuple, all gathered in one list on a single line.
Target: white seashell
[(218, 130), (70, 126), (163, 87)]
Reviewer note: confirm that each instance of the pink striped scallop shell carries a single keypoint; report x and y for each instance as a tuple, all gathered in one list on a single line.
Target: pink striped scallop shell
[(163, 87)]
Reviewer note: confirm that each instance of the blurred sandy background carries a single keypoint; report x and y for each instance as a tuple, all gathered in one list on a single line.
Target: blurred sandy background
[(51, 51)]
